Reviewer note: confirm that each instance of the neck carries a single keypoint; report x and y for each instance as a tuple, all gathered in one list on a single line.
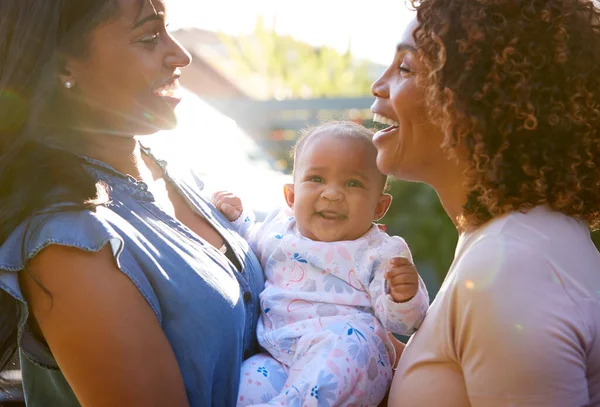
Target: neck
[(122, 153), (453, 200), (452, 193)]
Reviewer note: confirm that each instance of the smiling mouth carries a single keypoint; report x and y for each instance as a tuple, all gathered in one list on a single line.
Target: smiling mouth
[(170, 89), (378, 118), (329, 215)]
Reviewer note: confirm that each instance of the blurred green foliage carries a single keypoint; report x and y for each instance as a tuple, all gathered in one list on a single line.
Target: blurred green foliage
[(290, 68)]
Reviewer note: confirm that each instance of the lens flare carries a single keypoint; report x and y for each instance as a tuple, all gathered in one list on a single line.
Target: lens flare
[(13, 111)]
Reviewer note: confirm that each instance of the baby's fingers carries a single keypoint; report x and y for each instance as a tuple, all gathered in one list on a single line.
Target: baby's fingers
[(399, 261), (230, 211)]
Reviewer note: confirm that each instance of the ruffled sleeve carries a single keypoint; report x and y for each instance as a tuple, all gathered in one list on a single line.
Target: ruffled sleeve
[(85, 230)]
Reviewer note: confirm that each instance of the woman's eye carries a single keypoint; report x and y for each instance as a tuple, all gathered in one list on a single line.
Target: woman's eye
[(354, 184), (404, 70), (151, 39)]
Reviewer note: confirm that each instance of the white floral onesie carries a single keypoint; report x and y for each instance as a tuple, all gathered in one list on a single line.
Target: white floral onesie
[(325, 316)]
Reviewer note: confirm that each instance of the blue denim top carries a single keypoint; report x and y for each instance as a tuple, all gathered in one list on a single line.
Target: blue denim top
[(206, 307)]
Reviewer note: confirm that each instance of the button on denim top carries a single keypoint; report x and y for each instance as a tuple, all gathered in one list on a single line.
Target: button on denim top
[(206, 307)]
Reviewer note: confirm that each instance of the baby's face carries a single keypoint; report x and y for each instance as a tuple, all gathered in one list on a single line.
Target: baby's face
[(337, 189)]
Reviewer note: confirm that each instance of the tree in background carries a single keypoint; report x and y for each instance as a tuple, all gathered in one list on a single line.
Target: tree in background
[(293, 69), (289, 68)]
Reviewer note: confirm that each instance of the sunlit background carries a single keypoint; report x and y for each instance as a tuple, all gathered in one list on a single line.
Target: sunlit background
[(222, 147), (263, 70), (372, 28)]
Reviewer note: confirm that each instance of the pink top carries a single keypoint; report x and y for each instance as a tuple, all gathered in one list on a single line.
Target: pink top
[(516, 321)]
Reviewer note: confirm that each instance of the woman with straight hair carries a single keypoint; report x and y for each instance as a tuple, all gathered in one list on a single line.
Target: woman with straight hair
[(119, 283)]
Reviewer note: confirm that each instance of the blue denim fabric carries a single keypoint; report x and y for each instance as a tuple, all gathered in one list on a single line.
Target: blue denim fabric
[(206, 307)]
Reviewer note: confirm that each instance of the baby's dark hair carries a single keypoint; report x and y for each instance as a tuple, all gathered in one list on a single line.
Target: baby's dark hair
[(342, 129)]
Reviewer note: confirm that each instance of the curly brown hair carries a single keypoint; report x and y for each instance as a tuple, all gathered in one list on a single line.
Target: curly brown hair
[(516, 85)]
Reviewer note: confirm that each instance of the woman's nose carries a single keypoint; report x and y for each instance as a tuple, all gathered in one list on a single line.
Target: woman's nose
[(178, 57), (380, 88)]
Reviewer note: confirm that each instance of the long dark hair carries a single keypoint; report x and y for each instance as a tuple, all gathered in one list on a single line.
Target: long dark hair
[(35, 36)]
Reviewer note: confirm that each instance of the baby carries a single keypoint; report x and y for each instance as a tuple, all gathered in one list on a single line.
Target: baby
[(336, 283)]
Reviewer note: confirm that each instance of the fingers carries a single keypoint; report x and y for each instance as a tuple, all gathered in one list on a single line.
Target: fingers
[(219, 198), (403, 270), (400, 265), (228, 204), (221, 195), (404, 287), (230, 211), (402, 278), (400, 261)]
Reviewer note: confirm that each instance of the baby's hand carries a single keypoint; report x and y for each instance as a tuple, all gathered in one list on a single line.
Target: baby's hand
[(228, 204), (402, 278)]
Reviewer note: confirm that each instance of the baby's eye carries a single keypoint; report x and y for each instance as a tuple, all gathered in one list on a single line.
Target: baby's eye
[(315, 178), (354, 184)]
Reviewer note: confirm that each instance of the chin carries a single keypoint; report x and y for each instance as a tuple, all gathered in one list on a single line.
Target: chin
[(166, 123), (155, 121), (325, 237), (393, 165), (386, 165)]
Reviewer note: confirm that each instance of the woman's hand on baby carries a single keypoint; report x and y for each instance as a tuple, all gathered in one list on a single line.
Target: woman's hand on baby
[(402, 279), (228, 204)]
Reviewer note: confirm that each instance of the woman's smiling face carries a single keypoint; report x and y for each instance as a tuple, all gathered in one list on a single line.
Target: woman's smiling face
[(410, 148), (127, 81)]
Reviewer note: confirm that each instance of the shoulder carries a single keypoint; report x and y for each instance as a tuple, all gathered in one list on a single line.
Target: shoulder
[(506, 292), (498, 267), (521, 249), (509, 312), (82, 229)]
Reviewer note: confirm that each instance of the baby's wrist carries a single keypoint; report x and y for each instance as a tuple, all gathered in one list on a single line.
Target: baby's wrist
[(402, 299)]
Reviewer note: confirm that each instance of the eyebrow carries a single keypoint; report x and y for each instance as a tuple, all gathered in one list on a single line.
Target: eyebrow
[(403, 47), (160, 16), (360, 175)]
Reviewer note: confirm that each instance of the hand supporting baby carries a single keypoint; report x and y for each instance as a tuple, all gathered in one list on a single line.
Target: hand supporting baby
[(402, 279)]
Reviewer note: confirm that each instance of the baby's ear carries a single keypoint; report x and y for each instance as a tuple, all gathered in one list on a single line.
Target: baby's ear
[(288, 193), (385, 200)]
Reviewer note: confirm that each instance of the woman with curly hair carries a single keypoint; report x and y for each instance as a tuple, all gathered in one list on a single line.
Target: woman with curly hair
[(496, 105)]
